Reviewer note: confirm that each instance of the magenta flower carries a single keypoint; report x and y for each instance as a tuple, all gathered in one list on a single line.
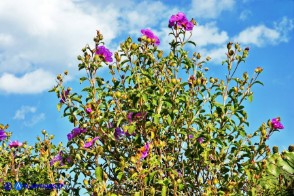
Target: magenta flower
[(75, 132), (191, 136), (144, 151), (149, 34), (90, 143), (88, 110), (276, 124), (118, 133), (15, 144), (105, 53), (200, 140), (64, 96), (57, 158), (140, 115), (130, 117), (3, 135), (181, 21)]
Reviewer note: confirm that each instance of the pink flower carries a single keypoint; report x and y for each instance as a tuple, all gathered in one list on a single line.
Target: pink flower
[(75, 132), (149, 34), (105, 53), (200, 140), (2, 135), (181, 21), (130, 117), (15, 144), (90, 143), (88, 110), (57, 158), (276, 124), (64, 96), (144, 151)]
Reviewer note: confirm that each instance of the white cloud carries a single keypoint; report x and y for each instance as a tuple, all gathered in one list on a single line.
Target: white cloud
[(258, 35), (29, 120), (35, 119), (285, 26), (245, 14), (6, 39), (52, 35), (32, 82), (210, 8), (262, 35), (209, 34), (21, 113)]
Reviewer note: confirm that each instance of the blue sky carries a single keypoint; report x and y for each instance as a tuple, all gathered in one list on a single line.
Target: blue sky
[(39, 39)]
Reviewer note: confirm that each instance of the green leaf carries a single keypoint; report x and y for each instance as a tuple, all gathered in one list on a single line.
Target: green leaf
[(144, 96), (169, 120), (164, 190), (258, 82), (250, 97), (59, 106), (191, 42), (82, 79), (119, 120), (156, 118), (120, 175), (99, 173)]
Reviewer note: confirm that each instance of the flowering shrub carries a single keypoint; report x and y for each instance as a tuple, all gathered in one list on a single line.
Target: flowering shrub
[(29, 165), (161, 125)]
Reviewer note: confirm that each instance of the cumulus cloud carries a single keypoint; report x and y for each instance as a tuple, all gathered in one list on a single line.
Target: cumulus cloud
[(35, 119), (209, 34), (245, 14), (20, 114), (262, 35), (50, 37), (28, 115), (32, 82), (210, 8)]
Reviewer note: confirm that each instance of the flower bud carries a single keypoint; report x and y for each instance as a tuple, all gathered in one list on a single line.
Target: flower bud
[(245, 75), (159, 54), (208, 58), (43, 131), (134, 46), (291, 148), (206, 69), (231, 52), (174, 81), (65, 72), (194, 22), (129, 40), (117, 57), (229, 45), (171, 55), (198, 56), (237, 46), (59, 77), (275, 149), (258, 70), (211, 80), (263, 132)]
